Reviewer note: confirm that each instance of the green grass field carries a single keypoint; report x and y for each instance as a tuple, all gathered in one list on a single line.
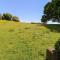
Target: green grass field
[(23, 41)]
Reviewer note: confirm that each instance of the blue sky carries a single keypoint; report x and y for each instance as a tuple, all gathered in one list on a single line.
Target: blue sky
[(26, 10)]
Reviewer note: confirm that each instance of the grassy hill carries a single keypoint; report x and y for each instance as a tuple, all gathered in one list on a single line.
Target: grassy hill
[(23, 41)]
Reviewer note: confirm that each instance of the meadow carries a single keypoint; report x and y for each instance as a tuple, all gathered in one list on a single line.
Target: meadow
[(25, 41)]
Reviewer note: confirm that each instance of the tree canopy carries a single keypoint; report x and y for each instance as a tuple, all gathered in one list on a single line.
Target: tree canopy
[(9, 17), (15, 18), (51, 11)]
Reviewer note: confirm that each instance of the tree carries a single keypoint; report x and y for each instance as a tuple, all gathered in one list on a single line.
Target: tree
[(52, 11), (44, 18), (7, 16), (0, 17), (15, 18)]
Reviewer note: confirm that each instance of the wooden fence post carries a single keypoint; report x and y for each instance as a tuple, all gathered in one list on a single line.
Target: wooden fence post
[(51, 54)]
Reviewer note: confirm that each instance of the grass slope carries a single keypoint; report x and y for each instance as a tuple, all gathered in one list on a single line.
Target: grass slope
[(20, 41)]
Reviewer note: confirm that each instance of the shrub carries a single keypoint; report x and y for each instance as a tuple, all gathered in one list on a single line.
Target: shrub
[(7, 16), (33, 23), (15, 18), (57, 46), (0, 17)]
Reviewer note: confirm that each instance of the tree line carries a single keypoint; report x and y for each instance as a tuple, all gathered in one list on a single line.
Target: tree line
[(51, 11), (9, 17)]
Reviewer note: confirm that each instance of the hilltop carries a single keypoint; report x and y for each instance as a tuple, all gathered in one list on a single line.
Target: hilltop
[(25, 41)]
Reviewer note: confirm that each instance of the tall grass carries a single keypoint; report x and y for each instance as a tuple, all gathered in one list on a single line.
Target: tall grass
[(21, 41)]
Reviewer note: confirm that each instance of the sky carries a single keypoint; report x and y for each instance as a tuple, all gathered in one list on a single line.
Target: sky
[(26, 10)]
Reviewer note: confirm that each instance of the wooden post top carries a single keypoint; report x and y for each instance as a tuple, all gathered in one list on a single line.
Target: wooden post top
[(51, 50)]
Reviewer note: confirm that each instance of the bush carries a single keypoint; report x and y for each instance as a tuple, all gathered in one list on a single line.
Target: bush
[(15, 18), (7, 16), (0, 17), (57, 46)]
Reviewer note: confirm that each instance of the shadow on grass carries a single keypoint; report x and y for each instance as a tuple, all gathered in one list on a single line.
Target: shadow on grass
[(53, 27)]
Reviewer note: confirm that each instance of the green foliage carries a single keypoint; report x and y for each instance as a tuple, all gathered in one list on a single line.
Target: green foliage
[(52, 11), (0, 17), (7, 16), (33, 23), (15, 18), (44, 19), (57, 46)]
